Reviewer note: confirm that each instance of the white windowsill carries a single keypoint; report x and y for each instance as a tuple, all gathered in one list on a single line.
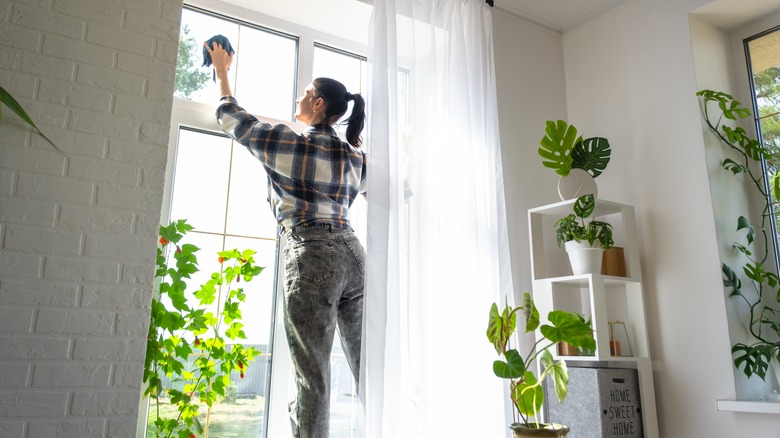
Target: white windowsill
[(757, 407)]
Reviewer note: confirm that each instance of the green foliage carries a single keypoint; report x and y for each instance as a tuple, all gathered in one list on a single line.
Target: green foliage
[(189, 78), (179, 330), (574, 226), (526, 391), (562, 150), (763, 322), (9, 101), (557, 144)]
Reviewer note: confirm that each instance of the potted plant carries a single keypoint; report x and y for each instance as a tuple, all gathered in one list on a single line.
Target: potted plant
[(585, 241), (578, 161), (525, 386), (761, 293)]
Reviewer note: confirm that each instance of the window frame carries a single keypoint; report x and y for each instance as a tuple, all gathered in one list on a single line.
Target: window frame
[(198, 116)]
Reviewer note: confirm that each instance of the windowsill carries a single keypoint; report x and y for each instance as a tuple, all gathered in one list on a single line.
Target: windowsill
[(753, 406)]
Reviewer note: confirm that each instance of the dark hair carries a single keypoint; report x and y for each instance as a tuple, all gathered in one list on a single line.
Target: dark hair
[(336, 98)]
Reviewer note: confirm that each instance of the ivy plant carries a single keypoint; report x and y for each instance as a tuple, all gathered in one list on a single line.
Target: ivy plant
[(184, 325), (760, 294)]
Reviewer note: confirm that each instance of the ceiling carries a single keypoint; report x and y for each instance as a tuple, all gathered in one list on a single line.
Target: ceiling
[(560, 15), (349, 18)]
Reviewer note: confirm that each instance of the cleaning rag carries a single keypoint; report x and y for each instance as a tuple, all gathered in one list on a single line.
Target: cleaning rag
[(222, 40)]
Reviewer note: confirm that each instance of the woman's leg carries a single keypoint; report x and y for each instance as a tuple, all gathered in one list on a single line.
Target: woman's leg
[(350, 310), (310, 323)]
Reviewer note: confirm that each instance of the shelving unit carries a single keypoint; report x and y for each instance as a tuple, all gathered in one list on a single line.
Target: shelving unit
[(603, 298)]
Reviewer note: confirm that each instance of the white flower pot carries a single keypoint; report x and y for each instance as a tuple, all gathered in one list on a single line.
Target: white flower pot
[(583, 258)]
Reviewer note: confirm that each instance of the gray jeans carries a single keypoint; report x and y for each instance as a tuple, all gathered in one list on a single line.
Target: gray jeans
[(323, 288)]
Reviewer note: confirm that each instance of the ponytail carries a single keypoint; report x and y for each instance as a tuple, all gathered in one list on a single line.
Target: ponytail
[(336, 98), (356, 120)]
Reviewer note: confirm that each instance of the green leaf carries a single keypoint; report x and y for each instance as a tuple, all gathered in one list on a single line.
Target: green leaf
[(528, 395), (730, 280), (752, 359), (591, 155), (559, 373), (235, 331), (513, 368), (733, 166), (500, 328), (567, 327), (16, 108), (557, 145), (744, 224), (530, 312), (584, 205)]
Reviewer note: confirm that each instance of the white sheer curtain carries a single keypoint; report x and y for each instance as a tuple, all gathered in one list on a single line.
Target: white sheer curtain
[(437, 245)]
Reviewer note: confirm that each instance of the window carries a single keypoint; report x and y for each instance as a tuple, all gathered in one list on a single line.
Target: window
[(763, 54), (222, 191)]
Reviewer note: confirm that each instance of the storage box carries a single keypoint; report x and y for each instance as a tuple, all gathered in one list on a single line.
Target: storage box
[(601, 403)]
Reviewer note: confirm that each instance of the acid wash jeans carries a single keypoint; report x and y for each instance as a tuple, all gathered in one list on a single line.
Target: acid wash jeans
[(323, 288)]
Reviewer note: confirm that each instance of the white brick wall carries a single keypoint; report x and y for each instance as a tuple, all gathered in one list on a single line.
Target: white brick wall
[(78, 235)]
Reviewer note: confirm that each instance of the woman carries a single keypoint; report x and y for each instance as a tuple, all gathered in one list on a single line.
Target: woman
[(313, 178)]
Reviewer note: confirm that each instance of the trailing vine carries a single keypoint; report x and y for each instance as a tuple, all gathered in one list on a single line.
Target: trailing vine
[(182, 325), (764, 319)]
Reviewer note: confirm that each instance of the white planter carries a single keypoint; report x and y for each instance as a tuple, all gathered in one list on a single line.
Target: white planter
[(583, 258)]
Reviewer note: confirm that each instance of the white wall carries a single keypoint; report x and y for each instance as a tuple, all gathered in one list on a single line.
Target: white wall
[(78, 235), (630, 77), (531, 90)]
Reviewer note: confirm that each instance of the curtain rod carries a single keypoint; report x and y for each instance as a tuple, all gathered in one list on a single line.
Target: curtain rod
[(489, 2)]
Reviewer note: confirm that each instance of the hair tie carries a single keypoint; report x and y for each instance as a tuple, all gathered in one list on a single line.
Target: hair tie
[(349, 96)]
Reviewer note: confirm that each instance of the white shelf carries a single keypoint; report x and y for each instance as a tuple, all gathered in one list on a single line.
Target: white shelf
[(756, 407), (604, 298)]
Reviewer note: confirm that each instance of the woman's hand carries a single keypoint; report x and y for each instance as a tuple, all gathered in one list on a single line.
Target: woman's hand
[(220, 58)]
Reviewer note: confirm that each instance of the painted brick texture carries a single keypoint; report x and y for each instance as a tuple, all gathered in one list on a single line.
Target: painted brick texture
[(78, 233)]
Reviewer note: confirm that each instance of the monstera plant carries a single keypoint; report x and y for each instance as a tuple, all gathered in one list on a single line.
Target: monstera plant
[(760, 293), (562, 150)]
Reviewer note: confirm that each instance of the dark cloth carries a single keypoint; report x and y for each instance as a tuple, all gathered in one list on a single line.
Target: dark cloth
[(222, 40)]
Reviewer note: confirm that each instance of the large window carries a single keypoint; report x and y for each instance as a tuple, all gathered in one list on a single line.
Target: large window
[(763, 53), (222, 191)]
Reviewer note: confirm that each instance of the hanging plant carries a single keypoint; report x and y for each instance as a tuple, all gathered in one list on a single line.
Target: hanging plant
[(182, 326)]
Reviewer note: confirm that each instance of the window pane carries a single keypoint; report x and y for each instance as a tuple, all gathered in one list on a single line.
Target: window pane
[(193, 81), (249, 213), (200, 180), (764, 58), (266, 65)]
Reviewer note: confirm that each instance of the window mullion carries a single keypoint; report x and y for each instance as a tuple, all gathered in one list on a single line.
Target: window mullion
[(305, 61)]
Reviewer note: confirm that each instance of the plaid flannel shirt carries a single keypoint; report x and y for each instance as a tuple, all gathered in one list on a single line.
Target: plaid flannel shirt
[(313, 177)]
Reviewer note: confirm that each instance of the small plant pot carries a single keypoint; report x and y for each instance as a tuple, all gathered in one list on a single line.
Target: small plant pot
[(537, 430), (566, 349), (583, 258)]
